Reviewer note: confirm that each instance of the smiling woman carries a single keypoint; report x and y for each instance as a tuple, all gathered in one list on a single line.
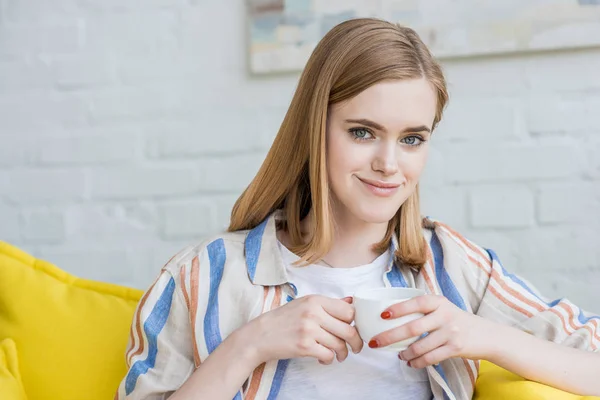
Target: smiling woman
[(264, 310)]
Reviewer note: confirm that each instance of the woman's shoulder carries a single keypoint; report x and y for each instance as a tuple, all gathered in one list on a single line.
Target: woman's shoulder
[(222, 246), (442, 237)]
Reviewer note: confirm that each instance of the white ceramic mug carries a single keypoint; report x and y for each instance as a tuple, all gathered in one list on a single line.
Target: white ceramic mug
[(370, 303)]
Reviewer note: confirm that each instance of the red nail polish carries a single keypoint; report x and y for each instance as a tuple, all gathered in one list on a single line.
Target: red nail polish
[(386, 315), (408, 363), (373, 344)]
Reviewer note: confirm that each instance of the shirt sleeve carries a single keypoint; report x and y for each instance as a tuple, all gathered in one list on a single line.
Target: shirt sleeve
[(160, 354), (511, 300)]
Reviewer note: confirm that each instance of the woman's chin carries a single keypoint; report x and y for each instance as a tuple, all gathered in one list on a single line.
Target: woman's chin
[(373, 216)]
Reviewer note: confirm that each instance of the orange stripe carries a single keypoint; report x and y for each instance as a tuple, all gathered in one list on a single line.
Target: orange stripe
[(505, 301), (464, 241), (517, 294), (468, 367), (194, 274), (138, 326), (255, 383), (575, 328), (258, 372), (183, 288), (426, 273)]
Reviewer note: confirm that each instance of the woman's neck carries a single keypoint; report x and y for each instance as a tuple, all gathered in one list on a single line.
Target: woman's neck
[(353, 241)]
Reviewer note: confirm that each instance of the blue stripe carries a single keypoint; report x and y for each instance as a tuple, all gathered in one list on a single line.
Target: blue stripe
[(581, 317), (440, 371), (278, 379), (396, 278), (212, 332), (252, 247), (152, 327), (448, 289)]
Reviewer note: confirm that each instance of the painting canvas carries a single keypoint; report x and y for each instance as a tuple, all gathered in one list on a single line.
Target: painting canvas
[(283, 33)]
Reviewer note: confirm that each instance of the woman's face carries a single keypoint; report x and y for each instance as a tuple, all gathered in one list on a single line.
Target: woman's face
[(377, 146)]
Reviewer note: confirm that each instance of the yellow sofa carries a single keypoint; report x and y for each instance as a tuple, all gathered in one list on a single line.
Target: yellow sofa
[(64, 338)]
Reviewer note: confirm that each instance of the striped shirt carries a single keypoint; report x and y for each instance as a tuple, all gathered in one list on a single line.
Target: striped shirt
[(207, 291)]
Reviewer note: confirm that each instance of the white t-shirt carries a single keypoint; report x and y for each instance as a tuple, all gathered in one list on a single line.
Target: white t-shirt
[(371, 374)]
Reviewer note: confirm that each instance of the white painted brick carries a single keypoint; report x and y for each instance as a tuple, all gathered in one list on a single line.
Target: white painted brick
[(592, 150), (35, 186), (112, 147), (223, 204), (112, 223), (512, 162), (568, 202), (217, 134), (559, 248), (549, 113), (10, 229), (42, 12), (509, 206), (486, 76), (121, 105), (25, 74), (197, 29), (130, 182), (95, 6), (486, 119), (111, 264), (43, 226), (445, 203), (56, 38), (145, 32), (188, 219), (434, 175), (83, 70), (228, 173), (168, 66), (39, 112), (16, 150), (548, 72)]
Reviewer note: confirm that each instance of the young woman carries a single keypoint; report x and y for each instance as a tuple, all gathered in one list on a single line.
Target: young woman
[(264, 311)]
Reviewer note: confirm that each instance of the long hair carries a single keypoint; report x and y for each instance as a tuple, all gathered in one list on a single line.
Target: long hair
[(353, 56)]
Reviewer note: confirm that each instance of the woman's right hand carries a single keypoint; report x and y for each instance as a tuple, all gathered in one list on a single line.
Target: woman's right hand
[(309, 326)]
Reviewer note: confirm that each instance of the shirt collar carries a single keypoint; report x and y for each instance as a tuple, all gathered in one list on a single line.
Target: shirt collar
[(263, 257)]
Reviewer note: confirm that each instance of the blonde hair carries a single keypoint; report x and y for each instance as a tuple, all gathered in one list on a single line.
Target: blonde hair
[(353, 56)]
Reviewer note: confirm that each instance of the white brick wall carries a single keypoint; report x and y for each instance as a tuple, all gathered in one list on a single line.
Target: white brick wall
[(127, 130)]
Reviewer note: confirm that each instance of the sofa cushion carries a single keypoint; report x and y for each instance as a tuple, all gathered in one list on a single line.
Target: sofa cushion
[(71, 333), (11, 386)]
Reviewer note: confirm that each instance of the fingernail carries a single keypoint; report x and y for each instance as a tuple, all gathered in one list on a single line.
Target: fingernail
[(348, 299), (400, 356), (408, 363), (373, 344), (386, 315)]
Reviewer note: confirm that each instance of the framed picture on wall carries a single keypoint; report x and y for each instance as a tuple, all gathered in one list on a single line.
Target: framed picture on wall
[(283, 33)]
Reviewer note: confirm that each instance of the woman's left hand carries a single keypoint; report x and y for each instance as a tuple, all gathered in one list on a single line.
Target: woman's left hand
[(451, 332)]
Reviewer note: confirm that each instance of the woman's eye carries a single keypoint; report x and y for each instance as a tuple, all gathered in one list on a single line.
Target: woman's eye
[(413, 140), (360, 133)]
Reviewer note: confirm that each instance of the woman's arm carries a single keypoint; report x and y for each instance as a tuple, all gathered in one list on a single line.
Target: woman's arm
[(563, 367), (223, 373)]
